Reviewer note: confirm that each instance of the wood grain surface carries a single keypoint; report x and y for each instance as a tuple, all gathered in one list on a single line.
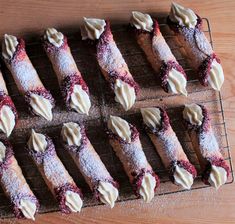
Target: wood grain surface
[(201, 206)]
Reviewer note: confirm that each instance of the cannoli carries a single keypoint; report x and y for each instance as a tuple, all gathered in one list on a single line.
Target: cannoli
[(57, 178), (40, 100), (111, 61), (149, 37), (8, 113), (24, 203), (188, 29), (157, 125), (215, 170), (74, 89), (124, 138), (89, 163)]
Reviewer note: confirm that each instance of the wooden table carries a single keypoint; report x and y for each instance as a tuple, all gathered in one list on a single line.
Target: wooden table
[(200, 206)]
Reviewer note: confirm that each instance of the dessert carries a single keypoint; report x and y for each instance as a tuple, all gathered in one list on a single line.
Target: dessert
[(74, 89), (215, 170), (149, 37), (40, 100), (188, 29), (157, 125), (57, 178), (89, 163), (111, 62), (124, 138), (8, 113), (25, 204)]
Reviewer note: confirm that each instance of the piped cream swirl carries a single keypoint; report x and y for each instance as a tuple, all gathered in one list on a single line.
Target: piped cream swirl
[(216, 75), (7, 120), (120, 127), (183, 16), (73, 201), (92, 28), (124, 94), (9, 45), (2, 151), (182, 177), (28, 208), (54, 37), (80, 100), (37, 142), (71, 133), (41, 106), (141, 21), (151, 117), (218, 176), (193, 114), (108, 194), (177, 82), (147, 187)]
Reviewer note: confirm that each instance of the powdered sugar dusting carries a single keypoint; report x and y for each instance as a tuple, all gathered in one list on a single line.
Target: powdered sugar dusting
[(55, 171), (3, 87), (91, 166), (25, 75), (63, 63)]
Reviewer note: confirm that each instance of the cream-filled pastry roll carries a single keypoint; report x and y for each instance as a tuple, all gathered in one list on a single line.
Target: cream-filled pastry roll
[(111, 61), (158, 127), (89, 163), (124, 138), (8, 113), (57, 178), (74, 89), (149, 37), (40, 100), (188, 29), (24, 202), (215, 171)]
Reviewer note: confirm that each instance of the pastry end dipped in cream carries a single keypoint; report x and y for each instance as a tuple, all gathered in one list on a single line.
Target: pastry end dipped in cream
[(183, 16), (71, 134), (9, 46), (7, 120), (121, 128), (217, 177), (92, 28)]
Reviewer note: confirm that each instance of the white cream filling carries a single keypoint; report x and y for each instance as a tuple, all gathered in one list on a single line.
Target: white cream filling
[(193, 114), (151, 117), (54, 37), (120, 127), (37, 142), (9, 45), (108, 194), (218, 176), (216, 75), (124, 94), (41, 106), (147, 187), (2, 151), (28, 208), (177, 82), (80, 100), (183, 178), (73, 201), (142, 21), (92, 28), (183, 16), (71, 133), (7, 120)]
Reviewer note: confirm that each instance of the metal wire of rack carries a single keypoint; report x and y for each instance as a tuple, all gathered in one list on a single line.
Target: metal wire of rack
[(104, 105)]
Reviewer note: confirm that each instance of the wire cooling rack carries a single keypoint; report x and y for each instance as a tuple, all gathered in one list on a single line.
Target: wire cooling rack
[(103, 105)]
